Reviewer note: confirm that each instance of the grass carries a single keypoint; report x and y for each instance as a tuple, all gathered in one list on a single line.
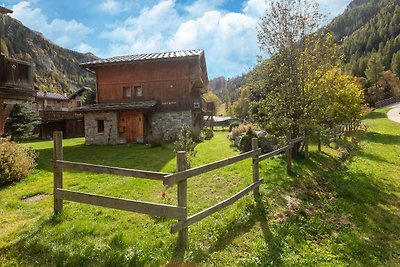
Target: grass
[(341, 207)]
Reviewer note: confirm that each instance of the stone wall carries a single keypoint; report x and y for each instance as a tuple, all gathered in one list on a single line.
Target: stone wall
[(110, 134), (170, 123)]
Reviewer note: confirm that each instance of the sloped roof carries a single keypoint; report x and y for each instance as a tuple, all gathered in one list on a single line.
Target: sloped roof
[(137, 105), (144, 57), (48, 95)]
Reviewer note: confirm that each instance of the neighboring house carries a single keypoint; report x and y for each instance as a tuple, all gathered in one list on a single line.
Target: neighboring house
[(16, 86), (146, 95), (57, 113), (16, 80)]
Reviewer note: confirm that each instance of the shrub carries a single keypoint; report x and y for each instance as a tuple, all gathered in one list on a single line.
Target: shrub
[(208, 134), (245, 142), (186, 143), (233, 125), (240, 130), (156, 140), (16, 161)]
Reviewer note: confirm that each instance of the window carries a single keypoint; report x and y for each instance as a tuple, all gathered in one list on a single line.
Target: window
[(138, 91), (126, 92), (78, 103), (100, 126)]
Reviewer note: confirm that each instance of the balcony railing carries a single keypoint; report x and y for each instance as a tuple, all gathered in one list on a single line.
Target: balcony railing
[(15, 73)]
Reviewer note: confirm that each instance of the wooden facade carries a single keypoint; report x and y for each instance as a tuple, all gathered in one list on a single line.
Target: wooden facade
[(16, 86), (175, 81), (57, 113)]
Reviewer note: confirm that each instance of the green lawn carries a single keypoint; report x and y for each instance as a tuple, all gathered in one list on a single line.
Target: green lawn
[(338, 209)]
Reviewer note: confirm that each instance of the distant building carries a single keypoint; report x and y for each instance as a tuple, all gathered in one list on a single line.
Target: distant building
[(57, 113), (147, 95)]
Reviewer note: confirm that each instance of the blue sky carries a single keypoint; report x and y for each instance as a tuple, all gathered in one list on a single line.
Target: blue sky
[(225, 29)]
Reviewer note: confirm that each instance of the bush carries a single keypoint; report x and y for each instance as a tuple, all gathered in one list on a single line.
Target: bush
[(16, 162), (245, 142), (233, 125), (156, 140), (240, 130), (208, 134), (186, 143)]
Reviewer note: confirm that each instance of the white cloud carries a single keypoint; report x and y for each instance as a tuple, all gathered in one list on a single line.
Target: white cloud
[(255, 8), (64, 33), (228, 38), (145, 32), (114, 7), (200, 7)]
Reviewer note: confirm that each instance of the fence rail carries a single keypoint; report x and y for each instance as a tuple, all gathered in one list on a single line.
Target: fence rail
[(110, 170), (179, 212), (149, 208), (183, 175)]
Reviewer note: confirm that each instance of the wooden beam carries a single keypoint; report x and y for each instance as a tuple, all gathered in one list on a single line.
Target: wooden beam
[(298, 139), (111, 170), (7, 111), (183, 175), (149, 208), (207, 212), (181, 164), (255, 167), (272, 153), (57, 170)]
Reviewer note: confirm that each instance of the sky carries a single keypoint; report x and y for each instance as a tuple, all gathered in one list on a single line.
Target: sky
[(225, 29)]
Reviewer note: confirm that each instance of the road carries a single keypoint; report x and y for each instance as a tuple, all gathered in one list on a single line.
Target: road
[(394, 113)]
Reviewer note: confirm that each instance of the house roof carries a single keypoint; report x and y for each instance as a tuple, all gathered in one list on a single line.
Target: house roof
[(138, 105), (77, 92), (144, 57), (48, 95)]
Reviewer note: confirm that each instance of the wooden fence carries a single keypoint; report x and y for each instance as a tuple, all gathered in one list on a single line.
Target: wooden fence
[(179, 212)]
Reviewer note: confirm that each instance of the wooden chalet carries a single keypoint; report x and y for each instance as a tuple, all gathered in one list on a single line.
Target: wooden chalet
[(57, 113), (16, 81), (16, 86), (145, 95)]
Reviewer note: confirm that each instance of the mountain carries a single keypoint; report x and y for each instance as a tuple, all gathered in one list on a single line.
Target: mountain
[(56, 68), (367, 27)]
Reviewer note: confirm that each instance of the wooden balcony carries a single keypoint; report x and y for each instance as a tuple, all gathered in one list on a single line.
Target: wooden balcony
[(16, 79)]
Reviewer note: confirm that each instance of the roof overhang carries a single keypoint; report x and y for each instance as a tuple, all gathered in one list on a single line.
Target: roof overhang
[(138, 105)]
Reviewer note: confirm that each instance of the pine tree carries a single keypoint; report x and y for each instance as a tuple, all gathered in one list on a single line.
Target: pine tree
[(21, 122), (374, 69), (396, 63)]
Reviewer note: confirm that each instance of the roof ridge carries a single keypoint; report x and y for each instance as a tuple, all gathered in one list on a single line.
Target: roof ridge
[(146, 56)]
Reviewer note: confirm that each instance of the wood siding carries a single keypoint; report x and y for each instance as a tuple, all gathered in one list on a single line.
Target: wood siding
[(171, 82)]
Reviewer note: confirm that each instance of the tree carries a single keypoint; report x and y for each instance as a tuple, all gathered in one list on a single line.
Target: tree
[(21, 121), (396, 63), (241, 106), (289, 90), (300, 58), (374, 69)]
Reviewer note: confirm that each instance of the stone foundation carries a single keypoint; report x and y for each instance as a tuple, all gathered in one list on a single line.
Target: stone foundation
[(110, 134), (169, 124)]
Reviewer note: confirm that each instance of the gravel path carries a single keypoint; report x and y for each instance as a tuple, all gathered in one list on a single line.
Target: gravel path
[(394, 113)]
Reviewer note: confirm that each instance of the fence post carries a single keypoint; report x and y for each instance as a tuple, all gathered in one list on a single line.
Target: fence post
[(256, 174), (306, 136), (181, 162), (289, 153), (57, 171), (319, 141)]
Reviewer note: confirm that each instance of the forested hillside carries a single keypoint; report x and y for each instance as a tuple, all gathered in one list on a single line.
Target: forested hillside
[(56, 69), (369, 27)]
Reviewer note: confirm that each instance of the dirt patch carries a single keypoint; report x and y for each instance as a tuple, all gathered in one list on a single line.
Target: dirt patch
[(34, 198)]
